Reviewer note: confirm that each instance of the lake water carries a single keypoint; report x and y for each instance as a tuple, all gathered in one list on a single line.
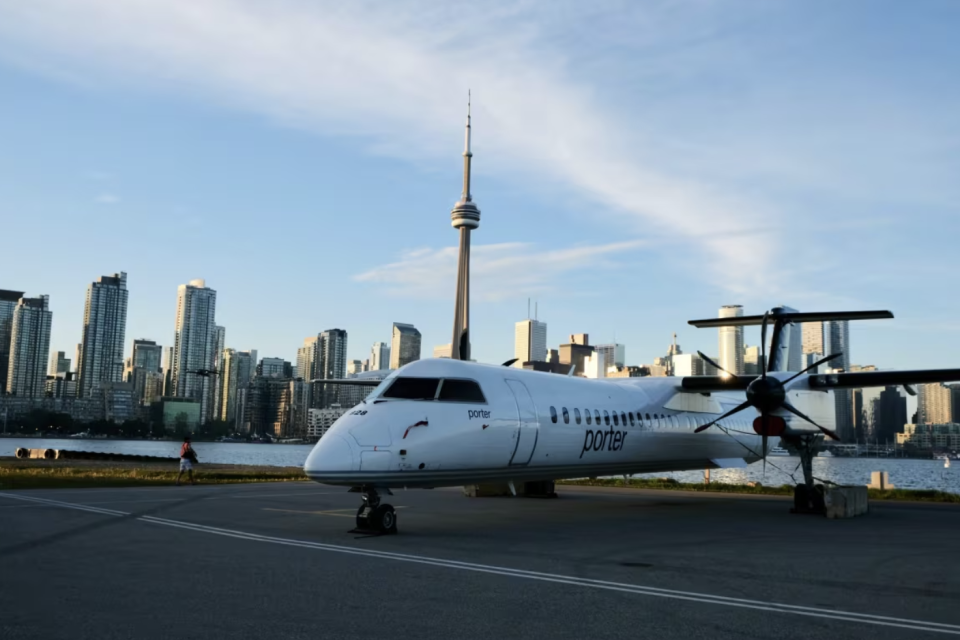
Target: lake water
[(904, 473)]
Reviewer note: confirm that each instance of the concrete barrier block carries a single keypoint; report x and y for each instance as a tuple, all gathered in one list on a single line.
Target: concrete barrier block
[(845, 502), (880, 480)]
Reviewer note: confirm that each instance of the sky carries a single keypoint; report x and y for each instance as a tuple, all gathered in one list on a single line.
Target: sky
[(637, 164)]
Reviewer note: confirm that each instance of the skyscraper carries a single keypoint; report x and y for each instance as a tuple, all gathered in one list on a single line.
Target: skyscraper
[(614, 354), (731, 341), (8, 302), (891, 414), (812, 338), (465, 217), (934, 404), (194, 342), (530, 342), (305, 358), (145, 371), (29, 347), (59, 364), (836, 340), (379, 356), (405, 346), (104, 330), (333, 354), (235, 374), (220, 343)]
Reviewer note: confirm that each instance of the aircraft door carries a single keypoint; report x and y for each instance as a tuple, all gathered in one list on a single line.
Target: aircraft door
[(528, 428)]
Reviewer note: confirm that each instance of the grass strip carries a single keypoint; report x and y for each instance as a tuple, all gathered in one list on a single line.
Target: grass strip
[(669, 484), (64, 477)]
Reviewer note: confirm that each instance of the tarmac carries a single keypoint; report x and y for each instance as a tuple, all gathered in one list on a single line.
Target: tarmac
[(276, 560)]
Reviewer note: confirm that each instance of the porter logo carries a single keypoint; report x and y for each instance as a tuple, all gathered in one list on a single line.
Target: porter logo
[(598, 440)]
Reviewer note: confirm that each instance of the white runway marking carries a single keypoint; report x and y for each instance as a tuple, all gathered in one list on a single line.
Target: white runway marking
[(690, 596)]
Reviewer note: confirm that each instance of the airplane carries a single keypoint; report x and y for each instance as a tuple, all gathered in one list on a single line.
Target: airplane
[(444, 422)]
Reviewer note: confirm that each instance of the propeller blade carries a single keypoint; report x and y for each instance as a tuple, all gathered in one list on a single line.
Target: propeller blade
[(510, 363), (813, 366), (763, 345), (715, 365), (763, 449), (736, 409), (796, 412)]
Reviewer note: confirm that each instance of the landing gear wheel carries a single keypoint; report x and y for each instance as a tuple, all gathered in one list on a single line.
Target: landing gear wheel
[(385, 519)]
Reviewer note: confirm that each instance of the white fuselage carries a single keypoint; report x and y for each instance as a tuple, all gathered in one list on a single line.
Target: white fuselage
[(532, 426)]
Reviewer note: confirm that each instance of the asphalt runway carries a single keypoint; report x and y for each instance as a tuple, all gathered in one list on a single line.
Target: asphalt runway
[(275, 560)]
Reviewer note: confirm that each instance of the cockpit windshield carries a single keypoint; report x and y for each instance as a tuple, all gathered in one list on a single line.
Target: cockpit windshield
[(434, 389)]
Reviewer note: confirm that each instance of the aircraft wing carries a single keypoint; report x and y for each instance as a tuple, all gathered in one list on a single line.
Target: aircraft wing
[(853, 380), (858, 379)]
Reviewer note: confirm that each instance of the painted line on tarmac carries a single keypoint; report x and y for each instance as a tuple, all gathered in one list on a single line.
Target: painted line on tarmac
[(690, 596)]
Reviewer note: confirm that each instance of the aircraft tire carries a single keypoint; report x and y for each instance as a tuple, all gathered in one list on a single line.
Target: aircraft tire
[(384, 519)]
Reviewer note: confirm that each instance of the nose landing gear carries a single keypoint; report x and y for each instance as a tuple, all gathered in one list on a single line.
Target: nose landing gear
[(374, 517)]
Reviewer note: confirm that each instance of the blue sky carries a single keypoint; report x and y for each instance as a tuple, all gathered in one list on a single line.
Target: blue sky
[(637, 164)]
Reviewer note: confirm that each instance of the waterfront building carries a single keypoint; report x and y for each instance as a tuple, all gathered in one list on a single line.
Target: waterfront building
[(61, 386), (530, 342), (144, 371), (686, 364), (104, 330), (614, 354), (442, 351), (271, 407), (931, 436), (319, 421), (464, 218), (628, 372), (889, 414), (195, 340), (934, 404), (236, 373), (405, 345), (812, 339), (575, 353), (274, 368), (379, 356), (595, 366), (731, 342), (8, 303), (29, 347), (356, 366), (751, 360), (306, 355), (181, 411), (220, 343)]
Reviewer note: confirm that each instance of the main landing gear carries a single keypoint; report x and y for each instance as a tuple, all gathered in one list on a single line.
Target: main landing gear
[(373, 517), (807, 497)]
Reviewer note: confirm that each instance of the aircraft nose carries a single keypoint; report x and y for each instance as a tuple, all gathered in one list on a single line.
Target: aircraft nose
[(332, 453)]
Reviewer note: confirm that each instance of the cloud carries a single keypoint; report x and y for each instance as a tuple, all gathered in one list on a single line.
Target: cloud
[(497, 271), (108, 198), (396, 74)]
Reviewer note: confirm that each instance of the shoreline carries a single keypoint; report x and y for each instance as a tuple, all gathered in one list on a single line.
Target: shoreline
[(72, 473)]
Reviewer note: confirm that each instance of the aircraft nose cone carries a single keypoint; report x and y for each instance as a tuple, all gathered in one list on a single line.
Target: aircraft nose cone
[(332, 453)]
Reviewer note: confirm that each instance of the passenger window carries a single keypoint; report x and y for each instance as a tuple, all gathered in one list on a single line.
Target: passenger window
[(586, 413), (632, 424), (413, 389), (566, 416), (596, 414), (616, 422), (623, 418), (606, 418), (576, 415), (460, 391), (648, 417), (553, 415)]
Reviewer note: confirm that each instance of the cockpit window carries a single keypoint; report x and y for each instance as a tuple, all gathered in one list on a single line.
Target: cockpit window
[(453, 390), (413, 388)]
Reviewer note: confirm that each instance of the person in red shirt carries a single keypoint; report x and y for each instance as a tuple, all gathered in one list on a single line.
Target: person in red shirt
[(187, 457)]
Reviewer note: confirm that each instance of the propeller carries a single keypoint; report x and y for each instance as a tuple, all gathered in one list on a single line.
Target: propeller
[(767, 394)]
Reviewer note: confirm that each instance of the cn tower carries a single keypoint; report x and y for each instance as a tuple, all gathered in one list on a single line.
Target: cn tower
[(464, 217)]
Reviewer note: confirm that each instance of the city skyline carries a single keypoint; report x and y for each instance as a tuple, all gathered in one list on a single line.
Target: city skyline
[(672, 192)]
